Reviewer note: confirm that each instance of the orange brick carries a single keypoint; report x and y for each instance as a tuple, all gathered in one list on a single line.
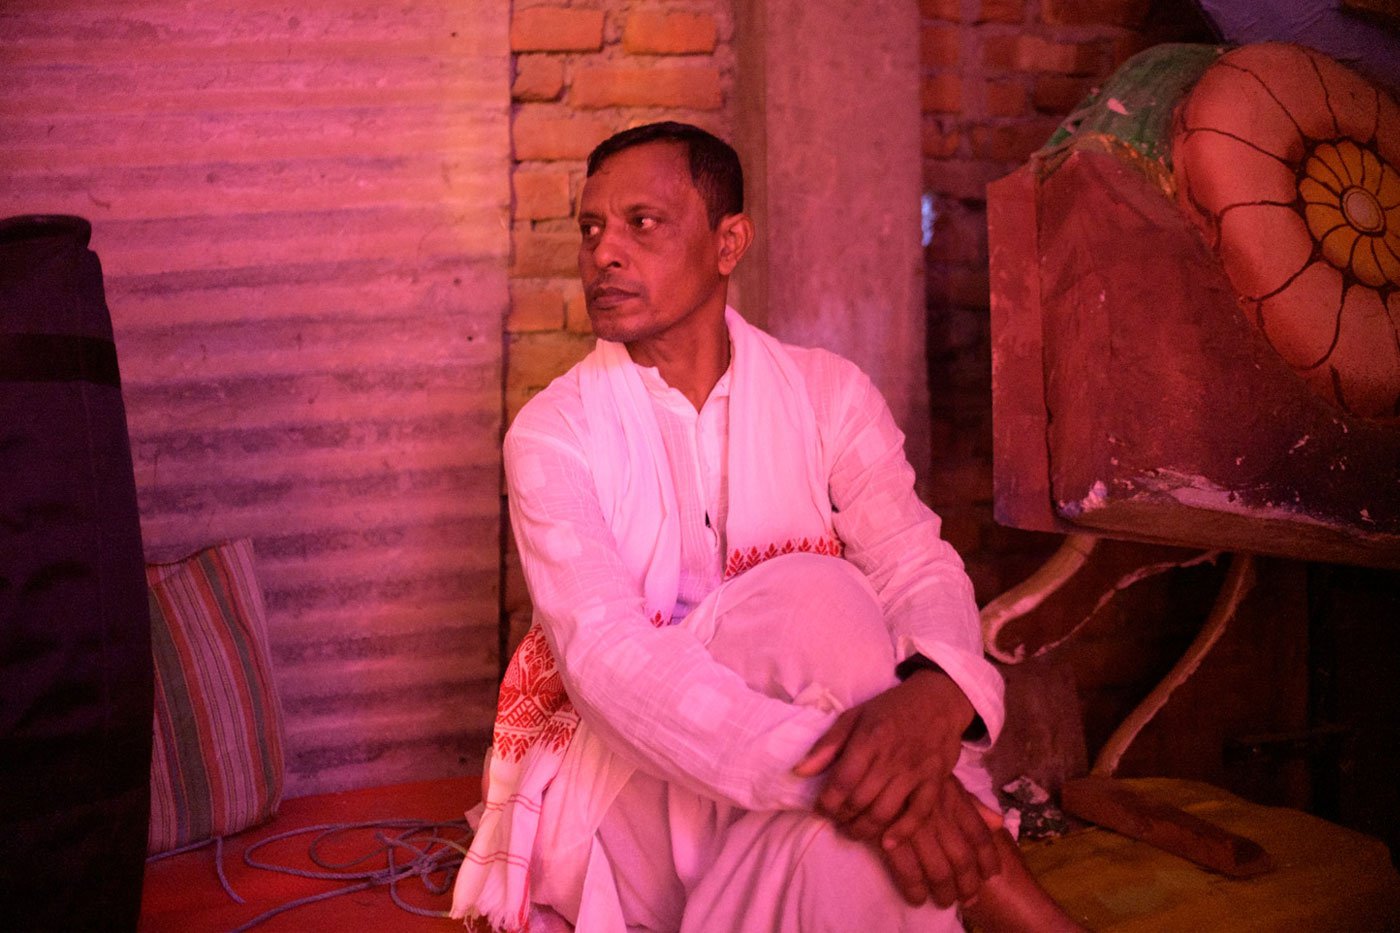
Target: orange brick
[(548, 138), (535, 359), (1060, 94), (556, 29), (686, 87), (669, 34), (545, 255), (537, 77), (981, 140), (533, 309), (999, 52), (1036, 54), (950, 10), (939, 143), (541, 195), (940, 46), (711, 122), (1125, 47), (1126, 13), (1011, 143), (576, 313), (960, 178), (941, 94), (1073, 58), (1006, 98), (1001, 11)]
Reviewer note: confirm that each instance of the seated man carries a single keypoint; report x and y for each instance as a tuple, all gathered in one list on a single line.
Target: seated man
[(754, 696)]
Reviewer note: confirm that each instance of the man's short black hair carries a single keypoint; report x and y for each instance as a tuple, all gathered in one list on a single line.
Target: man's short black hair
[(714, 165)]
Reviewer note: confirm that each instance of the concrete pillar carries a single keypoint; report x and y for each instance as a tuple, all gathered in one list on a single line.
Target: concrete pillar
[(828, 122)]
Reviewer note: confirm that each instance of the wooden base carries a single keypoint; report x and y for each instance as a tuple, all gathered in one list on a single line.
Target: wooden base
[(1326, 877)]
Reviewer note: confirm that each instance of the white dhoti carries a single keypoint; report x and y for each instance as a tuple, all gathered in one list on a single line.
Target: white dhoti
[(619, 849)]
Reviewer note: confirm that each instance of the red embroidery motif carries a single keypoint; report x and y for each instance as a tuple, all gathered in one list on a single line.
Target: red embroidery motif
[(741, 560), (532, 706)]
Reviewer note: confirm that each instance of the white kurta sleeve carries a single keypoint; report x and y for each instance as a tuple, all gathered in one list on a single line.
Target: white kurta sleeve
[(894, 538), (654, 694)]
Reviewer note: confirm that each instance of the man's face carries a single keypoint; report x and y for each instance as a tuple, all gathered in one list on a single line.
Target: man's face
[(648, 258)]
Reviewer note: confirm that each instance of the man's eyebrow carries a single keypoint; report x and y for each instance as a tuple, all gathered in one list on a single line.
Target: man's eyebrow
[(631, 207), (642, 205)]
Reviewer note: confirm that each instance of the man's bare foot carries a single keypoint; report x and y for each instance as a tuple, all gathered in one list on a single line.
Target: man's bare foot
[(1013, 901)]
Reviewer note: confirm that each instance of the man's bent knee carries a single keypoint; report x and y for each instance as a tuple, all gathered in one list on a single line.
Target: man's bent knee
[(802, 621)]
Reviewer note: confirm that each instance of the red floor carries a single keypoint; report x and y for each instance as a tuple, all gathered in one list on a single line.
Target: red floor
[(182, 893)]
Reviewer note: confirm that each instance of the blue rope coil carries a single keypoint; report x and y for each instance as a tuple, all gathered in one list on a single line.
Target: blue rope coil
[(403, 849)]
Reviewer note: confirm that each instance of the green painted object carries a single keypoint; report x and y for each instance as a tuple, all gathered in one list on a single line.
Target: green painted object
[(1131, 115)]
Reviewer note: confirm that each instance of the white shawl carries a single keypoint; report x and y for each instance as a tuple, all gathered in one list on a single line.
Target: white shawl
[(778, 504)]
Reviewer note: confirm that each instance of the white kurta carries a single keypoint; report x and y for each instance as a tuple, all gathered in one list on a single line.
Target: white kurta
[(657, 697)]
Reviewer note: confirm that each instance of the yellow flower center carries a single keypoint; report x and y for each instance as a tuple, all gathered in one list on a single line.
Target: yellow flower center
[(1362, 210)]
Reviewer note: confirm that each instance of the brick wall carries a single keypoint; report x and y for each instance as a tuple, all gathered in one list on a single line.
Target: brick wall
[(998, 76), (581, 74)]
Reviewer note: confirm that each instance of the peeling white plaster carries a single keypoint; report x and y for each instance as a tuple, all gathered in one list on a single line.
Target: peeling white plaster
[(1198, 492), (1096, 499)]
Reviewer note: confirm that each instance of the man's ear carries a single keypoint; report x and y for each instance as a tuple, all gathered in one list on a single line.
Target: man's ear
[(735, 233)]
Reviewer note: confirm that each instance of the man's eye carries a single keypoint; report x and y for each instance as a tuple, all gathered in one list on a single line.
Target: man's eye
[(588, 231), (644, 222)]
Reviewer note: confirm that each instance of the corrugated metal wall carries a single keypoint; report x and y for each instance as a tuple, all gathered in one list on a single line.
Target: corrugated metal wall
[(303, 214)]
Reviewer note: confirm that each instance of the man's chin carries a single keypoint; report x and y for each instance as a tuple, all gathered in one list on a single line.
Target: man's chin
[(608, 327)]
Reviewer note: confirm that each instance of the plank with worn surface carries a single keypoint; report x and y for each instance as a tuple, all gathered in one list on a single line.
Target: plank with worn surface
[(1327, 877)]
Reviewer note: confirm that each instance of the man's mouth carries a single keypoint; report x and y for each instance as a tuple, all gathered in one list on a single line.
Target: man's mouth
[(605, 296)]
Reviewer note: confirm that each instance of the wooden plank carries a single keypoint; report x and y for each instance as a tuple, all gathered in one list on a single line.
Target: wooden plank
[(1114, 805)]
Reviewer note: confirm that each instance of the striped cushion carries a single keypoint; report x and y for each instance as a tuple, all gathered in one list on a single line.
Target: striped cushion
[(217, 764)]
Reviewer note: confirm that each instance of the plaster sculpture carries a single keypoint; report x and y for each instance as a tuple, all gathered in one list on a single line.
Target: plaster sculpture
[(1196, 334), (1195, 297)]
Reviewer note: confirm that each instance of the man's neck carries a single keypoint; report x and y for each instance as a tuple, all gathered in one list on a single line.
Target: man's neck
[(692, 363)]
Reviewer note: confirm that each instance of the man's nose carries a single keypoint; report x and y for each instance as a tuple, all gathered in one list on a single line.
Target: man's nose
[(609, 251)]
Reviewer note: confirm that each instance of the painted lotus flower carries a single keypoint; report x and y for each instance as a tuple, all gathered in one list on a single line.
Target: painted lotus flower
[(1288, 161), (1352, 205)]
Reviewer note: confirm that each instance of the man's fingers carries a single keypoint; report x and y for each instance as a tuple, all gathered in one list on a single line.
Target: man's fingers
[(825, 749), (938, 872), (916, 813), (964, 808), (888, 804), (853, 779), (907, 874), (949, 843), (858, 779)]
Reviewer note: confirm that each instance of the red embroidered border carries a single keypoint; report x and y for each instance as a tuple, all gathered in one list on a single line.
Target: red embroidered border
[(532, 706), (741, 560), (531, 693)]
